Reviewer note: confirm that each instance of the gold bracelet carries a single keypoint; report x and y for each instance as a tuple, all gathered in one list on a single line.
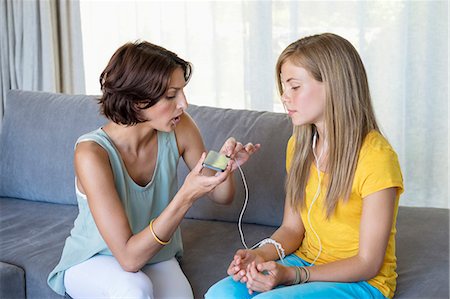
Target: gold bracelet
[(306, 275), (298, 275), (154, 235)]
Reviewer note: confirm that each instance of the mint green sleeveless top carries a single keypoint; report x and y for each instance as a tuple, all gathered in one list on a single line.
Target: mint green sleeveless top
[(141, 204)]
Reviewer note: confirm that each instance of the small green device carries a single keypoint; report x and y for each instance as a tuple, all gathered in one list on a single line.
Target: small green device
[(216, 161)]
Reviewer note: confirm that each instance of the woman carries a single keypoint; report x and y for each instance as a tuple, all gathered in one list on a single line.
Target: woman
[(342, 188), (126, 237)]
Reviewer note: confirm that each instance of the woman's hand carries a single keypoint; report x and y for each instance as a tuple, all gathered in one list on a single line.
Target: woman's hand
[(238, 152), (196, 184), (241, 260), (266, 276)]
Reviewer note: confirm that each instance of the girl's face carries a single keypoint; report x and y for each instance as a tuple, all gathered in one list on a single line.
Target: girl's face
[(165, 114), (303, 96)]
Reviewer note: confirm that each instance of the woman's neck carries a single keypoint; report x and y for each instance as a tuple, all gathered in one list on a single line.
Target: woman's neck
[(129, 138)]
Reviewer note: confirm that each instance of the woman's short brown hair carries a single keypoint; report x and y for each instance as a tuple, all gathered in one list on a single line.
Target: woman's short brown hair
[(137, 72)]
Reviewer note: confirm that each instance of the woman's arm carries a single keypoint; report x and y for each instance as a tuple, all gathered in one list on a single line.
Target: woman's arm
[(191, 147), (95, 179)]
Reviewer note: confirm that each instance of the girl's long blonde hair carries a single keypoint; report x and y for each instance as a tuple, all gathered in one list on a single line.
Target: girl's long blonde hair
[(349, 115)]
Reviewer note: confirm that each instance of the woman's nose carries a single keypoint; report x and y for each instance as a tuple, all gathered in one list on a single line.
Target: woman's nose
[(182, 102)]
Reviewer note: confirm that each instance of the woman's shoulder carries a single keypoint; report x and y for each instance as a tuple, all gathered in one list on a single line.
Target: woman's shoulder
[(94, 136), (186, 132), (92, 145)]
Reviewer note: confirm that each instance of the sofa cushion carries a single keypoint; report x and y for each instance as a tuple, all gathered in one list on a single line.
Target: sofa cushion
[(32, 235), (264, 172), (14, 278), (209, 247), (422, 253), (36, 145)]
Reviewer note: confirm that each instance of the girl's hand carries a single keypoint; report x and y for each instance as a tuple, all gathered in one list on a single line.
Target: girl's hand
[(266, 276), (196, 184), (239, 153), (240, 262)]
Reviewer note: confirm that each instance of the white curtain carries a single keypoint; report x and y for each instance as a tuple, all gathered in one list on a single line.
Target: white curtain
[(41, 46), (234, 46)]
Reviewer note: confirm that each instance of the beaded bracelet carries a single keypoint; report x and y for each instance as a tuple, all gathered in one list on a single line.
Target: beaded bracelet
[(154, 235), (278, 247)]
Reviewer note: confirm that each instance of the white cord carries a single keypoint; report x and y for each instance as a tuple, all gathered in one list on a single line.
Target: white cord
[(278, 247), (315, 197), (244, 206)]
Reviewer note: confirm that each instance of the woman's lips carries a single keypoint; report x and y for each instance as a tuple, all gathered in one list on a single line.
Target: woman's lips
[(176, 120)]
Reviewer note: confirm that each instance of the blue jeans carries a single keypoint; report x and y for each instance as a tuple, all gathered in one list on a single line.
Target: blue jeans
[(228, 288)]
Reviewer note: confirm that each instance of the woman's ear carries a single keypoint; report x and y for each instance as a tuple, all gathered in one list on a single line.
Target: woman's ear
[(142, 105)]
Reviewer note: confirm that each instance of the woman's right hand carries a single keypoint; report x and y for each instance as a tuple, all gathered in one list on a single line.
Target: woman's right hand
[(198, 184), (238, 266)]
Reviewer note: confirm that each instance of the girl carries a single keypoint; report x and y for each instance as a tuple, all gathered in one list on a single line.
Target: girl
[(342, 187), (126, 237)]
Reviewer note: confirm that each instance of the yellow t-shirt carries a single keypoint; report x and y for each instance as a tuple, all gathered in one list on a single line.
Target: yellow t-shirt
[(377, 169)]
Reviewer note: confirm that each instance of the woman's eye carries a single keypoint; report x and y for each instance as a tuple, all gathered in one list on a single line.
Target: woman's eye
[(295, 87), (170, 97)]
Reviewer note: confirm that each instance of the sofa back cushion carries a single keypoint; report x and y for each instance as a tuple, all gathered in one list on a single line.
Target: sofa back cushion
[(40, 129), (265, 172), (37, 140)]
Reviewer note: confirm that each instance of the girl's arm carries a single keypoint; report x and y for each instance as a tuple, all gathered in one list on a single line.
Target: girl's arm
[(375, 227), (290, 235)]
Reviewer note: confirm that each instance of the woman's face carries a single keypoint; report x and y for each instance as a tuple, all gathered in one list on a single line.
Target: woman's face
[(303, 96), (165, 114)]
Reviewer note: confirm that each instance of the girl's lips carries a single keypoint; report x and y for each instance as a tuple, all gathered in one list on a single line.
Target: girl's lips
[(290, 112)]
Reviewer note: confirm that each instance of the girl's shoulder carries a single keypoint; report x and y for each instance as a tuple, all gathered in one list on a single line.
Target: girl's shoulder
[(376, 144), (378, 166), (290, 152)]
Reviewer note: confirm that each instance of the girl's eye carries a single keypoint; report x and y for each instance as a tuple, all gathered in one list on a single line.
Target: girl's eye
[(295, 87), (170, 97)]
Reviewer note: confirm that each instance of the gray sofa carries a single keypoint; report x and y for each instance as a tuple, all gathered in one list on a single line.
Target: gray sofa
[(37, 198)]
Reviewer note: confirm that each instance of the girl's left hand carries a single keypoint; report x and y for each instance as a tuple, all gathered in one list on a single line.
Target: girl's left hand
[(266, 276), (238, 152)]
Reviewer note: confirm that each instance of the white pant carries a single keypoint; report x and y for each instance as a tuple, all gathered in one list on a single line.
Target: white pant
[(102, 277)]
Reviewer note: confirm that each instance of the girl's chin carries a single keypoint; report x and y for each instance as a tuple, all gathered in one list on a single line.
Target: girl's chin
[(297, 122)]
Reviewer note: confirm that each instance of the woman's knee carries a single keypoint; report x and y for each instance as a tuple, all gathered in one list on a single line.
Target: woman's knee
[(133, 285)]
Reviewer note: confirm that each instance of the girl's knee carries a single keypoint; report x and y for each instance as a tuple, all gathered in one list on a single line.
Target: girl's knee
[(227, 288)]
